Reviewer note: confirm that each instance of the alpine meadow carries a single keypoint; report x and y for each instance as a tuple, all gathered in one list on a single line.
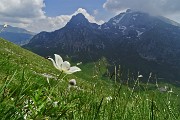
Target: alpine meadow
[(79, 67)]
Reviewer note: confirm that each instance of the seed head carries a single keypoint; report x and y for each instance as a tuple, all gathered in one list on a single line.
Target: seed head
[(72, 82)]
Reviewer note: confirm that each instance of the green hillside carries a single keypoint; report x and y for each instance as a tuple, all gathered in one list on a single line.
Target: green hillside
[(31, 88)]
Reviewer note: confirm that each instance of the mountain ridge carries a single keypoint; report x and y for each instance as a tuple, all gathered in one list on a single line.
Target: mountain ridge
[(16, 35), (132, 35)]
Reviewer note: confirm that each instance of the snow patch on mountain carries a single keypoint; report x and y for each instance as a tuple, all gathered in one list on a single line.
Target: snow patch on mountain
[(123, 29), (118, 20), (106, 28), (139, 33), (135, 15)]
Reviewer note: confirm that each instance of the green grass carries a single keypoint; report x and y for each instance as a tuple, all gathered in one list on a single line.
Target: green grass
[(25, 92)]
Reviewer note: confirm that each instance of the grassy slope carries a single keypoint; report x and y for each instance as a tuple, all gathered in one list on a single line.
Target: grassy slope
[(25, 91)]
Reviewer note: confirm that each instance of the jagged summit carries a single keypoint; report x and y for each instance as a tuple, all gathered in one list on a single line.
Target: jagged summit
[(131, 17), (77, 20), (129, 10), (79, 17)]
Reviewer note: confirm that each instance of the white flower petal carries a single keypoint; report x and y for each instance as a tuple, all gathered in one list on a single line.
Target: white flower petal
[(57, 67), (58, 60), (65, 66), (73, 69)]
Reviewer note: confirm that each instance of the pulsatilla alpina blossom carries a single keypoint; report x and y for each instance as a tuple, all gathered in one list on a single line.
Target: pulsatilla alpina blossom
[(65, 66)]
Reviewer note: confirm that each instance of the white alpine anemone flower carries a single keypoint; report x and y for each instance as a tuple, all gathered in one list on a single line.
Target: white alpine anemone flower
[(65, 66)]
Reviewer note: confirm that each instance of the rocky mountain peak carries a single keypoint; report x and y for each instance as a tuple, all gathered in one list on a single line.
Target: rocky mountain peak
[(131, 17), (77, 20), (129, 10)]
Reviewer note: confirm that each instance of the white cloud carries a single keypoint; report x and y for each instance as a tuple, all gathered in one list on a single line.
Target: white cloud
[(54, 23), (88, 16), (21, 13), (95, 12), (29, 14), (48, 23), (22, 8), (157, 7)]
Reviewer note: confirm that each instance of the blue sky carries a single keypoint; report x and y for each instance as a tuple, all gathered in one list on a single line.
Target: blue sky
[(59, 7), (50, 15), (66, 7)]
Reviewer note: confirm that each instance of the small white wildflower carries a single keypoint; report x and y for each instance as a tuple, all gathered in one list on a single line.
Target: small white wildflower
[(95, 76), (25, 116), (55, 104), (12, 99), (140, 76), (170, 91), (108, 99), (162, 89)]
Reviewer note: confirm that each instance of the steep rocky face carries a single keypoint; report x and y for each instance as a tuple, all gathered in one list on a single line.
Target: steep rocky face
[(78, 35), (152, 38), (137, 40), (161, 44)]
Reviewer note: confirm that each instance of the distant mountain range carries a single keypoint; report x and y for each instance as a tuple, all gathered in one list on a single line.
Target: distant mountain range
[(16, 35), (135, 40)]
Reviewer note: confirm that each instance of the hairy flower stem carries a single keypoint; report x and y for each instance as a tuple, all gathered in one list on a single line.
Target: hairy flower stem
[(59, 75)]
